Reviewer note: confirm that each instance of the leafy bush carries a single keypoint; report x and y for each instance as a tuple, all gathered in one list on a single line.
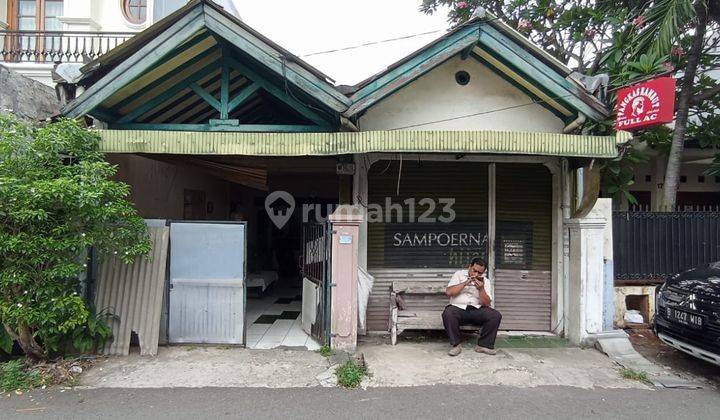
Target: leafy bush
[(58, 198), (15, 376), (350, 374)]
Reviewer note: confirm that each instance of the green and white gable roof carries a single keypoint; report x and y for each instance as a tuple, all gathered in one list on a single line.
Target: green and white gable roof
[(202, 69)]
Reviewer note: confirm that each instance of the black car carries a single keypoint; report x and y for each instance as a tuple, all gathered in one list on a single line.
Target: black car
[(687, 312)]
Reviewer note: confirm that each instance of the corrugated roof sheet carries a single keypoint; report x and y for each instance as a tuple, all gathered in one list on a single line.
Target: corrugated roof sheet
[(318, 144), (134, 293)]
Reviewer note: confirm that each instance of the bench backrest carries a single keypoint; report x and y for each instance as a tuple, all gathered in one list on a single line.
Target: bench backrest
[(422, 295)]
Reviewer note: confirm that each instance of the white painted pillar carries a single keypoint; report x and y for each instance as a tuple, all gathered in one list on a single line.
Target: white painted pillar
[(345, 222), (557, 319), (587, 278)]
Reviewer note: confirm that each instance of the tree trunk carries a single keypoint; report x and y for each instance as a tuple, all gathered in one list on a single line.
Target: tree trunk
[(28, 344), (672, 170)]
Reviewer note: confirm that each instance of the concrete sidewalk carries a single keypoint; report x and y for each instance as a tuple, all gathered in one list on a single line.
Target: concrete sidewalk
[(407, 364), (416, 364)]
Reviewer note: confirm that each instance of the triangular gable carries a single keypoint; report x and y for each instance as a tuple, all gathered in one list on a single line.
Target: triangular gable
[(502, 49), (200, 51)]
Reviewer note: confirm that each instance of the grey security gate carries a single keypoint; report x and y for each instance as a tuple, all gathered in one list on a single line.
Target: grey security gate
[(207, 282), (316, 266), (650, 246)]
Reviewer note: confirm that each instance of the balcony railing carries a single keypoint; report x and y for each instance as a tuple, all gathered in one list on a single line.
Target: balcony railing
[(58, 46)]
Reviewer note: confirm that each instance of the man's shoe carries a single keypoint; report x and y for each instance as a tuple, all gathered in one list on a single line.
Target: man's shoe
[(481, 349), (455, 350)]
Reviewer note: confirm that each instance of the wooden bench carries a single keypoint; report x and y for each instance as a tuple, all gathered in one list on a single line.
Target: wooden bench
[(424, 303)]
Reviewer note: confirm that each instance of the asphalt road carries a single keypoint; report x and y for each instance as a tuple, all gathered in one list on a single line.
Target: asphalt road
[(447, 402)]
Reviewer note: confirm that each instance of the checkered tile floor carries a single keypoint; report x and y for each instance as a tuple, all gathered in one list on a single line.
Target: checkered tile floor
[(274, 320)]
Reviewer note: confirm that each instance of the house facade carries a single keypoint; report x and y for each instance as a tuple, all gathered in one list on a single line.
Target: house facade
[(467, 147)]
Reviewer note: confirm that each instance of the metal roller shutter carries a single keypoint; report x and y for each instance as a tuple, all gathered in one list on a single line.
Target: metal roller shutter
[(392, 257), (523, 246)]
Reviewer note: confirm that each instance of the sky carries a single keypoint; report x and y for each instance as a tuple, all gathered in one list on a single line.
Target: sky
[(309, 26)]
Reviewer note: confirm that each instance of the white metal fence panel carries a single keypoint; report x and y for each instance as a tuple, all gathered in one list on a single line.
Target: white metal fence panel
[(207, 283)]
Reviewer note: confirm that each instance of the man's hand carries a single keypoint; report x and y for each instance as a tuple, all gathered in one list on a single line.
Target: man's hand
[(479, 283)]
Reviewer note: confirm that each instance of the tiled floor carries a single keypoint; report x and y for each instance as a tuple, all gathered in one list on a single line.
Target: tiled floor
[(274, 320)]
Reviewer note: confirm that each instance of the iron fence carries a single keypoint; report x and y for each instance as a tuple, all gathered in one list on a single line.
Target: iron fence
[(58, 46), (649, 246)]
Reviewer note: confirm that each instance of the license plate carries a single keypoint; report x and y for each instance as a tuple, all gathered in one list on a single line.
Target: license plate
[(685, 318)]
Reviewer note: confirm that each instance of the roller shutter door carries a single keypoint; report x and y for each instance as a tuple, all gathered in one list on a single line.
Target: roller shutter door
[(523, 246), (422, 251)]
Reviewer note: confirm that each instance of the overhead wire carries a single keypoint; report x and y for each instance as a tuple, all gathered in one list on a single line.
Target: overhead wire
[(539, 101)]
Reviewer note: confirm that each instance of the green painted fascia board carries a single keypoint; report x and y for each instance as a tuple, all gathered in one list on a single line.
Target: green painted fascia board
[(521, 60), (164, 96), (298, 76), (532, 96), (412, 69), (269, 87), (136, 64), (336, 143), (269, 128), (104, 114)]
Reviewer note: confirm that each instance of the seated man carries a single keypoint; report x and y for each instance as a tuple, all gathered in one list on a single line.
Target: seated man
[(469, 292)]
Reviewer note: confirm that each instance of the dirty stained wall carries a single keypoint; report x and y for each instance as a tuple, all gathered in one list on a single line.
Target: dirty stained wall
[(436, 96), (157, 188)]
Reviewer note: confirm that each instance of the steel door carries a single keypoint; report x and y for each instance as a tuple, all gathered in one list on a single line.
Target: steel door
[(316, 268), (207, 282)]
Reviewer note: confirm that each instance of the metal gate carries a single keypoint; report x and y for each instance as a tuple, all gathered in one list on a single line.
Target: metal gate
[(207, 282), (317, 243)]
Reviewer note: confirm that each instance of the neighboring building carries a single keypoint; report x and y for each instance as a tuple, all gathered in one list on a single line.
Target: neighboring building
[(204, 116), (696, 189), (28, 99), (35, 35)]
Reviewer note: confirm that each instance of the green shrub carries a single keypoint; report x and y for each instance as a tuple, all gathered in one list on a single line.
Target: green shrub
[(58, 199), (350, 374), (15, 376)]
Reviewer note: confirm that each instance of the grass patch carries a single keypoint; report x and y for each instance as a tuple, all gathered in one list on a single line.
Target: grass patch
[(636, 375), (350, 374), (191, 348), (325, 351), (14, 376)]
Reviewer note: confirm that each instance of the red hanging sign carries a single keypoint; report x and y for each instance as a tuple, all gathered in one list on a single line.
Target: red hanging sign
[(645, 104)]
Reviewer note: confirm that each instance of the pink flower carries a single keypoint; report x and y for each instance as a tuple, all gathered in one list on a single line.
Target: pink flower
[(639, 21), (668, 66), (462, 5), (677, 51), (590, 33), (524, 24)]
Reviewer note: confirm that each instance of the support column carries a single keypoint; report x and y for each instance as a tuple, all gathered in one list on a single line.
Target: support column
[(492, 205), (360, 197), (604, 206), (587, 278), (345, 223), (557, 319)]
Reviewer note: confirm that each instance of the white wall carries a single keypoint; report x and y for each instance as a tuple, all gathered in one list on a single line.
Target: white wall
[(655, 168), (436, 95), (100, 15)]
